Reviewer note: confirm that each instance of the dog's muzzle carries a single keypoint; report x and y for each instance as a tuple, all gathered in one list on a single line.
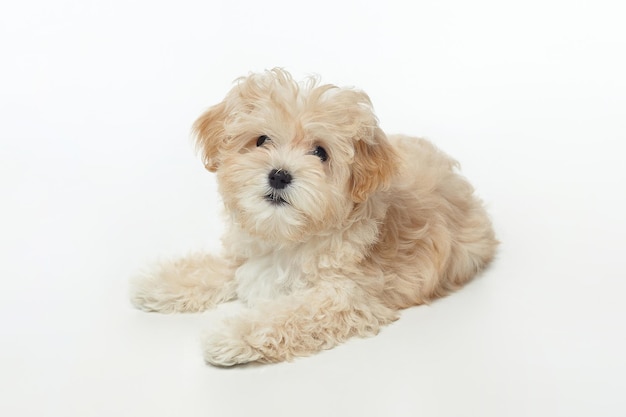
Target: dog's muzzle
[(278, 180)]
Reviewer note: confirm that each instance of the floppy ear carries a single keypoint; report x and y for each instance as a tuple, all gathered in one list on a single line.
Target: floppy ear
[(210, 136), (375, 163)]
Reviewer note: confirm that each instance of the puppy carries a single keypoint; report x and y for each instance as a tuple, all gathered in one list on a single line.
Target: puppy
[(333, 226)]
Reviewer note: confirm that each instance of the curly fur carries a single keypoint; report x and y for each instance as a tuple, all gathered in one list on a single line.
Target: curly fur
[(385, 223)]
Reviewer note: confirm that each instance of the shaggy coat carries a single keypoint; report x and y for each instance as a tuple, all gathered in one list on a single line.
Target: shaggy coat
[(333, 225)]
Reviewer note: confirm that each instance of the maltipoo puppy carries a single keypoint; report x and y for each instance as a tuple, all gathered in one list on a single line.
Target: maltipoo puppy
[(333, 226)]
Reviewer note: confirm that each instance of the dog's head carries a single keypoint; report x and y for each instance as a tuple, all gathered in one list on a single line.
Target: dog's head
[(293, 160)]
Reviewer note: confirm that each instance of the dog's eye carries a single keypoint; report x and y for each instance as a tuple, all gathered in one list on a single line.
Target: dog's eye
[(261, 140), (320, 153)]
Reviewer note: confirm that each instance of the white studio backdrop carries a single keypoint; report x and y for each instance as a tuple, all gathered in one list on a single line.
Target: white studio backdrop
[(99, 179)]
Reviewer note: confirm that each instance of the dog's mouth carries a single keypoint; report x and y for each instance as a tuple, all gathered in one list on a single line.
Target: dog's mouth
[(275, 199)]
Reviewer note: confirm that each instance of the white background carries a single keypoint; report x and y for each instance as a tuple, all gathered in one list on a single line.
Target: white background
[(98, 179)]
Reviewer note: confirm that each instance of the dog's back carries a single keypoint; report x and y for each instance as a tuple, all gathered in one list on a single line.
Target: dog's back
[(436, 235)]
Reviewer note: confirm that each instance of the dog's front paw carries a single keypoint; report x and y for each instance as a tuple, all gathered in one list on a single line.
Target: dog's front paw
[(225, 346), (190, 284), (149, 293)]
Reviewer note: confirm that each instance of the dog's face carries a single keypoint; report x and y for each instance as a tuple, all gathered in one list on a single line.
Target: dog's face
[(293, 160)]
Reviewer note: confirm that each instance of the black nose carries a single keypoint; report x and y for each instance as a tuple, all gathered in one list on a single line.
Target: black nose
[(279, 179)]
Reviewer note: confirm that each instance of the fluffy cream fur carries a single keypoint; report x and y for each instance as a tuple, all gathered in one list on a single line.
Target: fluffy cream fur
[(376, 224)]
